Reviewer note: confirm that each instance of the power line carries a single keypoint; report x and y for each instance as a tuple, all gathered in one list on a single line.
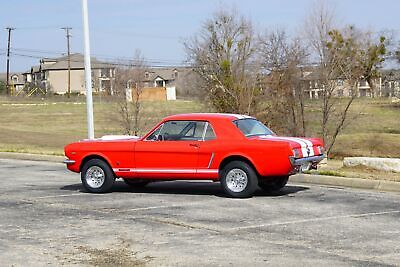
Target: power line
[(131, 63), (107, 31), (116, 60)]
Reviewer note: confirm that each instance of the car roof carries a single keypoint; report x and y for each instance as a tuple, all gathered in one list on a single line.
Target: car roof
[(207, 116)]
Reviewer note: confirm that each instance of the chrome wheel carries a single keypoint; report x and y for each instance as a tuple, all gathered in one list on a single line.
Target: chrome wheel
[(95, 177), (236, 180)]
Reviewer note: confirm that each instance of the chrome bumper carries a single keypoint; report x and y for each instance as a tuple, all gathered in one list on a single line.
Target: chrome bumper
[(301, 161), (305, 164), (69, 161)]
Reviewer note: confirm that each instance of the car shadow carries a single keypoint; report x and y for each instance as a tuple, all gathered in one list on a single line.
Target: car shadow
[(187, 188)]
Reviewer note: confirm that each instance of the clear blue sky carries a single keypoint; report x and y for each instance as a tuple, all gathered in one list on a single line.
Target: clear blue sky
[(157, 27)]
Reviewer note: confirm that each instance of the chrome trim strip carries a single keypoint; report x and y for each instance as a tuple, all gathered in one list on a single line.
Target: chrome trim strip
[(165, 170), (69, 161), (207, 171), (211, 160), (204, 131)]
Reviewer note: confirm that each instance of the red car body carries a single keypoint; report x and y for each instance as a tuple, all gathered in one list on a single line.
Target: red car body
[(197, 158)]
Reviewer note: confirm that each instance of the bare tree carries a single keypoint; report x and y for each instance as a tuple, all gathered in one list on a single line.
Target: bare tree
[(349, 59), (129, 88), (223, 55), (317, 25), (282, 61), (341, 55)]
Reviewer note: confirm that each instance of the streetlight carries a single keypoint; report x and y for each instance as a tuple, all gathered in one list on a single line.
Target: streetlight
[(88, 71)]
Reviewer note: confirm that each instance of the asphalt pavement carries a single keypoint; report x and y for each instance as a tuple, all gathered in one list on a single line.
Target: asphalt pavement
[(46, 219)]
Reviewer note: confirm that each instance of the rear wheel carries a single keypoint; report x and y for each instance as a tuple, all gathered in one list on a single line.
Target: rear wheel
[(275, 184), (136, 182), (238, 179), (97, 176)]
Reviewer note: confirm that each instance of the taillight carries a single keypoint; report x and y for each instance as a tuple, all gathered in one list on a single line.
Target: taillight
[(296, 152)]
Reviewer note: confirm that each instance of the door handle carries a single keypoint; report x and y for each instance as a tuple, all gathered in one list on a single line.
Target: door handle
[(194, 145)]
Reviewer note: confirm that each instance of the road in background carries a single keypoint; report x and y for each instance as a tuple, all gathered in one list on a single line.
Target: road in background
[(47, 219)]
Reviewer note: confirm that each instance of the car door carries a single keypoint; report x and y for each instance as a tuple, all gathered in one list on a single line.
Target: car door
[(171, 151), (207, 166)]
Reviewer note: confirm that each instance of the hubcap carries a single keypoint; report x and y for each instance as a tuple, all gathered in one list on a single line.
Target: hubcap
[(236, 180), (95, 177)]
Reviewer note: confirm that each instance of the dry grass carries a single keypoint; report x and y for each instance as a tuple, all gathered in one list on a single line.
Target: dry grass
[(336, 168), (48, 125), (373, 129)]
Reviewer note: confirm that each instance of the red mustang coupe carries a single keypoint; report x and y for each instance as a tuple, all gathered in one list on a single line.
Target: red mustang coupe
[(237, 150)]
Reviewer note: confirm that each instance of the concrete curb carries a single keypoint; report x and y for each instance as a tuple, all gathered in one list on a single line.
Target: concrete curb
[(34, 157), (380, 185)]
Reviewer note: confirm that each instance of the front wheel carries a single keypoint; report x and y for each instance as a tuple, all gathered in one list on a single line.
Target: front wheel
[(97, 176), (275, 184), (238, 179)]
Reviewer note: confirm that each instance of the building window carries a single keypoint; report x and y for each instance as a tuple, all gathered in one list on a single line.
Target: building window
[(105, 72), (160, 83)]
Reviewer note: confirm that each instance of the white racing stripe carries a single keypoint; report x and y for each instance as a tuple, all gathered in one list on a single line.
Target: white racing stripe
[(239, 116), (308, 145), (304, 144)]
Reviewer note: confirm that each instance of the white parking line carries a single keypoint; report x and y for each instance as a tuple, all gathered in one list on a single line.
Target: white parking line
[(69, 195), (163, 206), (315, 220)]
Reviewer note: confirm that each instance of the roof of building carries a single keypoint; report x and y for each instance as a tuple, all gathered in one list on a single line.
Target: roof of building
[(164, 73), (21, 79), (77, 61), (35, 68)]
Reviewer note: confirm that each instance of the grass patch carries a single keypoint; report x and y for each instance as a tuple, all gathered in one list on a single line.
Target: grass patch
[(326, 172), (335, 168), (46, 126)]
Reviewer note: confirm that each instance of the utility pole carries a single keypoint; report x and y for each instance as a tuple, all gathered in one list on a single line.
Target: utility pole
[(9, 29), (68, 35), (88, 70)]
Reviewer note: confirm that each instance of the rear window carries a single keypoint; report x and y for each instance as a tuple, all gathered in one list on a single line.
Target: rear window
[(252, 127)]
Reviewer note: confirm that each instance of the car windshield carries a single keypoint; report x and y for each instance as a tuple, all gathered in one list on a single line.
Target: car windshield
[(252, 127)]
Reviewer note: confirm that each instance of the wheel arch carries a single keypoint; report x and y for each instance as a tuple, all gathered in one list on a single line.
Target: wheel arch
[(237, 157), (94, 156)]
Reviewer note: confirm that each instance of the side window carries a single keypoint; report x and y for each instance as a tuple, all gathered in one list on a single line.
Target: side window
[(179, 131), (210, 135), (154, 135)]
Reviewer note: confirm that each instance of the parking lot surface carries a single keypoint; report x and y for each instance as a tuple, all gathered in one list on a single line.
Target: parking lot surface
[(46, 219)]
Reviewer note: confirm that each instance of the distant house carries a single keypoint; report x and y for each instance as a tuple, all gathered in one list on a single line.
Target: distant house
[(17, 81), (162, 83), (391, 83), (314, 87), (52, 73)]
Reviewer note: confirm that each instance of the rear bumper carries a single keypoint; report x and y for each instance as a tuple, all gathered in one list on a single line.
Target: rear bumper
[(305, 164)]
